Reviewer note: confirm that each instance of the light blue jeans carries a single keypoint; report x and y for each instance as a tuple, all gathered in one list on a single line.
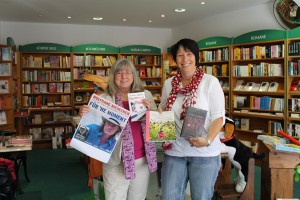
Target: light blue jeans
[(201, 172)]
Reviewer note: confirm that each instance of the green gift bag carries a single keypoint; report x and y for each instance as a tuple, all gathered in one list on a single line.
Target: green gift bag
[(98, 188)]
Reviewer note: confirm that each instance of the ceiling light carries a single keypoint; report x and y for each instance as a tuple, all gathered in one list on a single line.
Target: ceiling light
[(97, 18), (162, 15), (124, 20), (40, 15), (150, 21), (69, 17), (180, 10), (202, 3)]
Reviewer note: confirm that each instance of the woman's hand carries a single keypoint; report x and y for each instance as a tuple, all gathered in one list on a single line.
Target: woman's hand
[(160, 110), (146, 103), (83, 110), (198, 142)]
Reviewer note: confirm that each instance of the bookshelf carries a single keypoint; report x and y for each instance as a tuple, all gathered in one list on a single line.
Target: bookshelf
[(46, 91), (169, 64), (147, 60), (293, 79), (214, 58), (258, 61), (6, 89), (93, 59)]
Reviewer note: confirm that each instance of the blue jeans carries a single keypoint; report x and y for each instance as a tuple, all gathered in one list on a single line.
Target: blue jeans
[(201, 172)]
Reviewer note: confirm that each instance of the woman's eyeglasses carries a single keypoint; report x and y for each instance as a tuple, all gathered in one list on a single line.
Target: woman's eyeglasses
[(120, 74)]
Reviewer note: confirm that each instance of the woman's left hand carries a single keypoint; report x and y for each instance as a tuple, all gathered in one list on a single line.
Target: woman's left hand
[(198, 142), (146, 103)]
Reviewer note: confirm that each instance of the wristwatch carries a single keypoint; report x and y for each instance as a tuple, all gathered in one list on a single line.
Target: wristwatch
[(208, 142)]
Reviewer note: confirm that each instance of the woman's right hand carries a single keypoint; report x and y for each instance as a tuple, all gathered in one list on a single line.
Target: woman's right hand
[(83, 110), (160, 110)]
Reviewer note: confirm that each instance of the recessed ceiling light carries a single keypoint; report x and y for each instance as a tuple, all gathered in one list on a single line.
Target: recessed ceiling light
[(124, 20), (69, 17), (150, 21), (202, 3), (97, 18), (162, 15), (180, 10), (39, 15)]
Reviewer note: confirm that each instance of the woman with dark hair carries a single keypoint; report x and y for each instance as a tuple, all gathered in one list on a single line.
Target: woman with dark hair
[(126, 175), (195, 160)]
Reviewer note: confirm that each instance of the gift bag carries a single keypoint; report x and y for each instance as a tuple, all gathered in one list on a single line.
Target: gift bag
[(98, 188)]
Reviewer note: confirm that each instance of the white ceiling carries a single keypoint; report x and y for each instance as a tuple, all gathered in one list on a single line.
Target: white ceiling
[(137, 12)]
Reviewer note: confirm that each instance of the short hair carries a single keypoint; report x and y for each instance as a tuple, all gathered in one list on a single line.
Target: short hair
[(123, 64), (186, 44)]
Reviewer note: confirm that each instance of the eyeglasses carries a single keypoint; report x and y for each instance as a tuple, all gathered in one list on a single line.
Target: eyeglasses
[(120, 74)]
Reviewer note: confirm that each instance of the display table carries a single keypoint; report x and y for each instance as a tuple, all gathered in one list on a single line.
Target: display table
[(277, 172), (18, 153)]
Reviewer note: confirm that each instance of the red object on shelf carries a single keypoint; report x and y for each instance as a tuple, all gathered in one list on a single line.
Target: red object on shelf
[(289, 137)]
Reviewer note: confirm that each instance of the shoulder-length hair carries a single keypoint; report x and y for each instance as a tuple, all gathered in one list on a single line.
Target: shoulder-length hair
[(123, 64), (186, 44)]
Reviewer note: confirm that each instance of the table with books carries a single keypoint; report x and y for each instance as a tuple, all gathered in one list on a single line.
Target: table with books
[(277, 172), (16, 148)]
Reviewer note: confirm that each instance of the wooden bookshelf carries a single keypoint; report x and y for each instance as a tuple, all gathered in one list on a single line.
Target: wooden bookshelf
[(214, 58), (94, 59), (46, 91), (6, 89), (293, 77), (257, 60), (147, 60)]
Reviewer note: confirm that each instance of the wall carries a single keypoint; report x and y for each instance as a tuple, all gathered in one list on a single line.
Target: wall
[(229, 24), (67, 34)]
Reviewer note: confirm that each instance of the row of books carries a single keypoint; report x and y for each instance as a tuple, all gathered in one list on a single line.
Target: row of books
[(143, 60), (42, 101), (5, 54), (294, 129), (77, 72), (154, 72), (294, 104), (48, 133), (46, 88), (221, 54), (258, 52), (93, 60), (261, 69), (294, 67), (262, 103), (46, 75), (216, 70), (46, 62), (252, 86), (294, 48), (5, 69)]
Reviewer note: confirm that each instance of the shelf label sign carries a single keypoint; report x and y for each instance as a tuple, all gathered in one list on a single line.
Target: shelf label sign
[(140, 49), (214, 42), (260, 36), (44, 47), (94, 48)]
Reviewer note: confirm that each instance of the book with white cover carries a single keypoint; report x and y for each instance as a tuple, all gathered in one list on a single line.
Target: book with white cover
[(238, 85), (255, 86), (273, 87), (264, 86), (136, 107), (249, 86)]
